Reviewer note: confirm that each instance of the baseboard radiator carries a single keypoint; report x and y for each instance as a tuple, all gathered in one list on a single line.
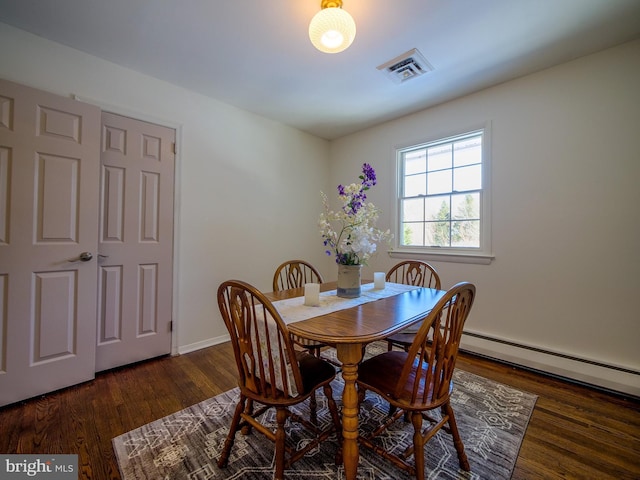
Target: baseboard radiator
[(612, 378)]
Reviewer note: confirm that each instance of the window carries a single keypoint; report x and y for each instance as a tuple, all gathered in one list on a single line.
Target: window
[(443, 201)]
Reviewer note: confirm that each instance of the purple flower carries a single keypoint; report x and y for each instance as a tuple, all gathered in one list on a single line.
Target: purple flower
[(356, 200), (369, 175)]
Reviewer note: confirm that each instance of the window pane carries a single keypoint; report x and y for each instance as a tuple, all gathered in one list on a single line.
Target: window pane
[(465, 233), (415, 185), (467, 178), (467, 152), (439, 157), (415, 162), (465, 207), (412, 234), (437, 208), (437, 234), (413, 210), (439, 182)]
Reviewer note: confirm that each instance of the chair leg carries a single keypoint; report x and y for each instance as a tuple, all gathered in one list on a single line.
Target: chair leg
[(361, 394), (281, 417), (418, 444), (393, 410), (246, 430), (231, 436), (389, 346), (313, 408), (333, 409), (457, 441)]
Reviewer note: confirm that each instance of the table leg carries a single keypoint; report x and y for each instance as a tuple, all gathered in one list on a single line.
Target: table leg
[(350, 356)]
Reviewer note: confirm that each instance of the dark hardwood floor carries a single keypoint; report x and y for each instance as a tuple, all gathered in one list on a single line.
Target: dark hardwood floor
[(575, 432)]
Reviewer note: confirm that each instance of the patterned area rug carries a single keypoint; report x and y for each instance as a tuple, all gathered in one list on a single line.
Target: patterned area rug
[(491, 417)]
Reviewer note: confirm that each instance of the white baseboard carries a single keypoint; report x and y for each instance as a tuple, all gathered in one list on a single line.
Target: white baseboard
[(210, 342), (610, 377)]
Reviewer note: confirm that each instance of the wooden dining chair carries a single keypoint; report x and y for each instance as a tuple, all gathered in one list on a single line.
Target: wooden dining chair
[(420, 380), (294, 274), (417, 273), (273, 374)]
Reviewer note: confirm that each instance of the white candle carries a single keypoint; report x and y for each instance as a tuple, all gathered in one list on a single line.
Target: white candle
[(378, 280), (312, 294)]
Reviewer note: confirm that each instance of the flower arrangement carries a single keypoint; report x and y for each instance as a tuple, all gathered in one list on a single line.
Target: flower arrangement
[(354, 238)]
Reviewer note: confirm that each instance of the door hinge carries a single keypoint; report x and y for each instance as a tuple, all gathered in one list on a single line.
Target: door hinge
[(171, 326), (175, 148)]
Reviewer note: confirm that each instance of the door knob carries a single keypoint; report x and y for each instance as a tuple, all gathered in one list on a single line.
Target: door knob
[(83, 257)]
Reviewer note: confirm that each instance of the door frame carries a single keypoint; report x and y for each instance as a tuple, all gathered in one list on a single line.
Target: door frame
[(137, 115)]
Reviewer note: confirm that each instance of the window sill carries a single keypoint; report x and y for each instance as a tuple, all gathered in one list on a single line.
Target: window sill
[(453, 257)]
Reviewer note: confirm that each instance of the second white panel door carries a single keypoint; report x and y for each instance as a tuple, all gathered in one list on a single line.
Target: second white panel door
[(136, 241)]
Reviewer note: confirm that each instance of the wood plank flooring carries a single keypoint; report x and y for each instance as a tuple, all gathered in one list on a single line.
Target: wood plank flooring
[(575, 432)]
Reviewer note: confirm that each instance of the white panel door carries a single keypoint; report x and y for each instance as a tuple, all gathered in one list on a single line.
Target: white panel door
[(49, 171), (136, 241)]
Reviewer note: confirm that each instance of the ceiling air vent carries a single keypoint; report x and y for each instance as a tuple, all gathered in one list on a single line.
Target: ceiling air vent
[(406, 66)]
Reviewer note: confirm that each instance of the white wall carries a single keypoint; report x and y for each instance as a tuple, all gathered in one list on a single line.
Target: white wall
[(566, 218), (244, 194)]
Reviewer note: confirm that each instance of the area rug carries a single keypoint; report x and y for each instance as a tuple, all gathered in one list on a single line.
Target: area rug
[(492, 419)]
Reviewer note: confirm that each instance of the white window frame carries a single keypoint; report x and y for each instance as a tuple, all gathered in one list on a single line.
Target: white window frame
[(481, 255)]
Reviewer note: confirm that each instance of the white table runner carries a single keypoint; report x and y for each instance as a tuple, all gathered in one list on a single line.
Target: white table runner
[(294, 309)]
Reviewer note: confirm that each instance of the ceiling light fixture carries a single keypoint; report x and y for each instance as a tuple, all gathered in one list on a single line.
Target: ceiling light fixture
[(332, 29)]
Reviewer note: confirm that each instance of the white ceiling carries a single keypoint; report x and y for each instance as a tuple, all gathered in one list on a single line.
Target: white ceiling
[(256, 54)]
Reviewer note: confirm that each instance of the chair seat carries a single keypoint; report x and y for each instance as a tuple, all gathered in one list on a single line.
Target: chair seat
[(314, 348), (402, 339), (306, 342), (381, 374), (314, 370)]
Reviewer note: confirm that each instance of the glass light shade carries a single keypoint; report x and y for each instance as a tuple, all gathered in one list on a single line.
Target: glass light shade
[(332, 30)]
